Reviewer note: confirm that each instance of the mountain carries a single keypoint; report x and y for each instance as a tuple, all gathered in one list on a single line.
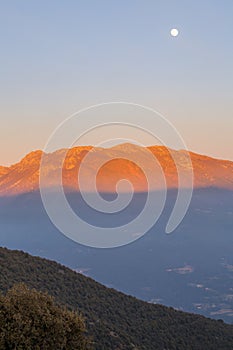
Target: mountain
[(114, 320), (120, 163), (191, 269)]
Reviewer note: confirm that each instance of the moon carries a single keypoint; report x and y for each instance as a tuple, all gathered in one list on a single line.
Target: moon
[(174, 32)]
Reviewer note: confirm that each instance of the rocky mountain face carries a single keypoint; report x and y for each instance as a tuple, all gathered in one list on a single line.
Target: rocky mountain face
[(126, 161)]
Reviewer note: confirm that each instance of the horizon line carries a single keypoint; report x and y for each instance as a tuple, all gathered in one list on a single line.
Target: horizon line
[(121, 143)]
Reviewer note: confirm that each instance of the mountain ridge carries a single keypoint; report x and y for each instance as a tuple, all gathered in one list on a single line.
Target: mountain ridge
[(120, 163)]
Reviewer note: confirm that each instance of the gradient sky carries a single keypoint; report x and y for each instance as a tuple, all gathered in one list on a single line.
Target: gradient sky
[(59, 56)]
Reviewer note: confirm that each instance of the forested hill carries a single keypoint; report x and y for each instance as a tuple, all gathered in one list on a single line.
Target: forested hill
[(114, 320)]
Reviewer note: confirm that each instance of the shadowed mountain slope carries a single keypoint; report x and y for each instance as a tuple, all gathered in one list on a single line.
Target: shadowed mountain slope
[(114, 320)]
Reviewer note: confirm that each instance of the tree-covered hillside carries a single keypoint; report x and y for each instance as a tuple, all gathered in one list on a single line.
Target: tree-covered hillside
[(114, 320)]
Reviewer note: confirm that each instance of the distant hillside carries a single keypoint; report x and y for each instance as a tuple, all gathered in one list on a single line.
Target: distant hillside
[(114, 320), (24, 176)]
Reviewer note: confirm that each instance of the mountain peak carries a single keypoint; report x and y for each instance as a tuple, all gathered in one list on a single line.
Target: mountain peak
[(32, 157)]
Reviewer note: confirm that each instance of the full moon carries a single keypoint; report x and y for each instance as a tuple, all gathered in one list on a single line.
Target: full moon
[(174, 32)]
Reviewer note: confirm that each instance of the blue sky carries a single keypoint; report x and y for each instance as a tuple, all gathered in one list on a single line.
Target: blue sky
[(59, 56)]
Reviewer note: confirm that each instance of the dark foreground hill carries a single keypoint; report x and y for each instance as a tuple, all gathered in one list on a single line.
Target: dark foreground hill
[(114, 320)]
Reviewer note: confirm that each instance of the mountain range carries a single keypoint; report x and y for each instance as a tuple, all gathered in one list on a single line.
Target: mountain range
[(191, 269), (120, 163)]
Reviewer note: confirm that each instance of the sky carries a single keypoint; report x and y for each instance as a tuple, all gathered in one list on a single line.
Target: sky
[(60, 56)]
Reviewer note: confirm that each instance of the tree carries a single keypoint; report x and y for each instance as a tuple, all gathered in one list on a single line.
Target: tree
[(31, 320)]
